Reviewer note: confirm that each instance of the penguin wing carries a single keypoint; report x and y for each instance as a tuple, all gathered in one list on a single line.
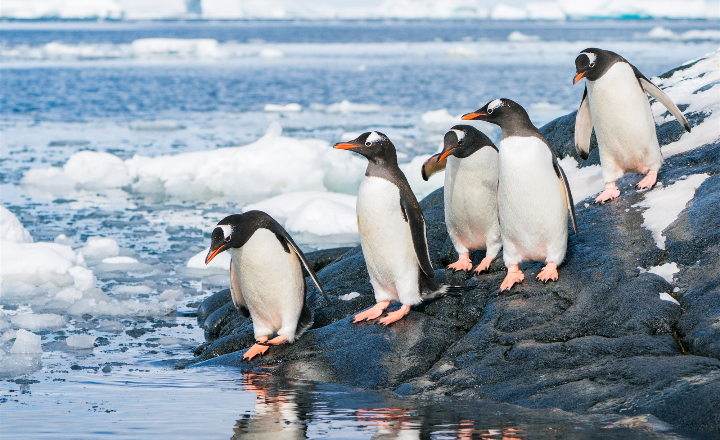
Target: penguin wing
[(432, 166), (583, 127), (236, 293), (657, 93), (571, 205), (282, 234), (414, 216)]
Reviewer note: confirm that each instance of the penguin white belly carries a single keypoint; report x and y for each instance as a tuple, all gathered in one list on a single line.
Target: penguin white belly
[(387, 243), (623, 123), (471, 201), (532, 205), (271, 282)]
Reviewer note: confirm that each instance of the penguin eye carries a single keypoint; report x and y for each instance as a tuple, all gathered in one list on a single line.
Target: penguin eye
[(592, 64), (490, 111), (227, 238), (367, 144), (460, 142)]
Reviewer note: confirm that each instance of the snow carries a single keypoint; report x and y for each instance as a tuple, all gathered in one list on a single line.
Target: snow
[(584, 182), (665, 204), (99, 248), (80, 341), (11, 229), (38, 263), (221, 261), (26, 342), (287, 108), (349, 296), (519, 37), (666, 297), (321, 216), (666, 271), (38, 321)]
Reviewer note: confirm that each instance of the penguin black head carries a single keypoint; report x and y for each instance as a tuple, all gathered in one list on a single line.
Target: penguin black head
[(234, 231), (374, 145), (592, 63), (462, 141), (499, 112)]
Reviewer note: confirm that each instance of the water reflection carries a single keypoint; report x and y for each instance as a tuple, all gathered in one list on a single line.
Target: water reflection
[(288, 409)]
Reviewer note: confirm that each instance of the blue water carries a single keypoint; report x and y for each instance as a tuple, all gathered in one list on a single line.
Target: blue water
[(54, 103)]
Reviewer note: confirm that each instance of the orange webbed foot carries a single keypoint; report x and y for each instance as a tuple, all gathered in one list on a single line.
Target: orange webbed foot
[(513, 276), (371, 313), (463, 263), (484, 265), (395, 316), (649, 180), (256, 349), (277, 340), (610, 192), (548, 273)]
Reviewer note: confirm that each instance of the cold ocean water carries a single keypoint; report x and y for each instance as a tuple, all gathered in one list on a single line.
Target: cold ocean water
[(124, 143)]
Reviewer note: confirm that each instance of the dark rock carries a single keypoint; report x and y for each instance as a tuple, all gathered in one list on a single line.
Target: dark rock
[(319, 259), (600, 340), (212, 303)]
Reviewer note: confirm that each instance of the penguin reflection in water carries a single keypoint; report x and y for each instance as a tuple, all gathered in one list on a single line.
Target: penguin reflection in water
[(392, 233), (533, 194), (471, 180), (615, 102), (266, 277)]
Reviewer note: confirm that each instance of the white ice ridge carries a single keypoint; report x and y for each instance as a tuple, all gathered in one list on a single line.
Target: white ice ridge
[(667, 271), (665, 204)]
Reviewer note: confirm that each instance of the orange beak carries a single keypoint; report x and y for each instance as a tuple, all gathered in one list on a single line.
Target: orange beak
[(578, 77), (470, 116), (212, 254), (445, 154), (344, 146)]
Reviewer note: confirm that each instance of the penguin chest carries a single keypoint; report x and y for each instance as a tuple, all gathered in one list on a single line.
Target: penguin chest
[(471, 197), (532, 204), (384, 234), (270, 280), (623, 120)]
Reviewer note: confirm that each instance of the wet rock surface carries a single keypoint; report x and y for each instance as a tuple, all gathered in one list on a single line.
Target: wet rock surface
[(599, 340)]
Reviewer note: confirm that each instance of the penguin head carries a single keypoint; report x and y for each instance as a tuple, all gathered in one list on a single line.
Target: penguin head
[(499, 112), (592, 63), (462, 141), (374, 145), (231, 232)]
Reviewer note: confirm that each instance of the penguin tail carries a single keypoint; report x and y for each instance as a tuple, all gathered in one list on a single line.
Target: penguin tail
[(447, 290)]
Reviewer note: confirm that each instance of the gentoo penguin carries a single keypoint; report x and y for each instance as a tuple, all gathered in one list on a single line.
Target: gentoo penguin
[(533, 193), (615, 102), (471, 180), (392, 232), (266, 278)]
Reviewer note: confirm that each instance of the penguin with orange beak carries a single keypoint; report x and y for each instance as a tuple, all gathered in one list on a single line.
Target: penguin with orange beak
[(266, 277)]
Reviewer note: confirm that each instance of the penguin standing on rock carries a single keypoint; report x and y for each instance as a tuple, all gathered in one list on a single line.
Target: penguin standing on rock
[(392, 233), (616, 104), (533, 193), (471, 180), (266, 277)]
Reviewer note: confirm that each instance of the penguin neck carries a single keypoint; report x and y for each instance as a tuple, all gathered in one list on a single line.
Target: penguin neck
[(384, 167), (519, 126)]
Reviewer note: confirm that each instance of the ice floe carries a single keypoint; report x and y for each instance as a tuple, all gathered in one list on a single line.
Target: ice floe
[(519, 37), (287, 108), (26, 342), (80, 341), (11, 229)]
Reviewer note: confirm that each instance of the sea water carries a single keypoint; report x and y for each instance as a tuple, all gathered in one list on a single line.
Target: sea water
[(198, 120)]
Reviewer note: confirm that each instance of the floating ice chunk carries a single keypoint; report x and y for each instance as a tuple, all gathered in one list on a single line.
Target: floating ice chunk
[(38, 321), (441, 119), (133, 290), (68, 295), (322, 216), (122, 264), (666, 271), (287, 108), (665, 204), (666, 297), (349, 107), (37, 263), (584, 182), (221, 261), (462, 51), (64, 240), (505, 12), (52, 178), (169, 294), (166, 341), (349, 296), (106, 325), (271, 53), (131, 307), (26, 342), (157, 125), (93, 169), (84, 278), (661, 33), (186, 48), (282, 207), (120, 260), (80, 341), (707, 34), (11, 229), (517, 36), (99, 247)]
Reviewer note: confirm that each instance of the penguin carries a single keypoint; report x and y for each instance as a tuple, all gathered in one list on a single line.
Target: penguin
[(392, 233), (471, 180), (266, 277), (616, 104), (533, 193)]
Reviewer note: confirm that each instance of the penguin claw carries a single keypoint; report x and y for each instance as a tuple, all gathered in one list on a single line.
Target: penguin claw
[(395, 316), (648, 181), (548, 273), (513, 276), (461, 265), (273, 342), (373, 312), (483, 266), (256, 349)]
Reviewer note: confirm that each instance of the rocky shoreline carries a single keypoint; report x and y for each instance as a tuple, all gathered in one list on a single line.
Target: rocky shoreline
[(608, 337)]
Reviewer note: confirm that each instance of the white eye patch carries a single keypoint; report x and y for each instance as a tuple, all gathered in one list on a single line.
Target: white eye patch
[(374, 137), (590, 55), (227, 230), (460, 134), (495, 104)]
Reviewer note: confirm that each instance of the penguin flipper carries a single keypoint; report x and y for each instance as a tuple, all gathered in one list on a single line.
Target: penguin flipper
[(236, 293), (571, 205), (414, 216), (282, 234), (657, 93), (432, 166), (583, 127)]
